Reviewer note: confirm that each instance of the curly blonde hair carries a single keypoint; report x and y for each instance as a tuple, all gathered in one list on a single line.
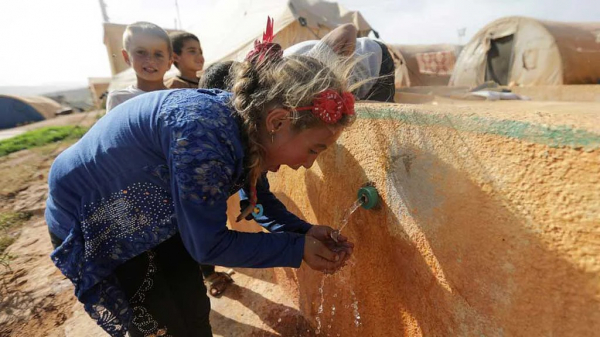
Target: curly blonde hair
[(289, 83)]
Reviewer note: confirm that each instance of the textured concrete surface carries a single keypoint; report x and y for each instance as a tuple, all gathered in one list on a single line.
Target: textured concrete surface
[(489, 223), (572, 93)]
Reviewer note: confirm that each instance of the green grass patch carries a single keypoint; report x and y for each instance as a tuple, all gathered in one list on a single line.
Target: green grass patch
[(40, 137), (5, 241), (8, 221)]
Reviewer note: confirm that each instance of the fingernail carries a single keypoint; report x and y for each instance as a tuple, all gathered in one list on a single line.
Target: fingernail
[(337, 257)]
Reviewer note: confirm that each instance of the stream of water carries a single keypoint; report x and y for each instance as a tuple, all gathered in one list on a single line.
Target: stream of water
[(354, 305), (346, 219)]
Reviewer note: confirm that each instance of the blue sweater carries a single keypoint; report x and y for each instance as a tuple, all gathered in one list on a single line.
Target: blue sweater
[(158, 164)]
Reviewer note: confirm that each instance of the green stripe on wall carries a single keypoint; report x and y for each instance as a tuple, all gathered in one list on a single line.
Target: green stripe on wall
[(555, 136)]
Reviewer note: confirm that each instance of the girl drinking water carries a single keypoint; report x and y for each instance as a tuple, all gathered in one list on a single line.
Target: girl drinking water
[(141, 199)]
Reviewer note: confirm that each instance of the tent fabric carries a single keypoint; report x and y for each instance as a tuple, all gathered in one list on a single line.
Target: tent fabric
[(17, 110), (424, 65), (113, 41), (230, 35), (436, 63), (98, 86), (542, 53)]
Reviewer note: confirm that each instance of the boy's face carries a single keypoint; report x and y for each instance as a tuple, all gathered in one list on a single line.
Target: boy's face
[(149, 56), (191, 57)]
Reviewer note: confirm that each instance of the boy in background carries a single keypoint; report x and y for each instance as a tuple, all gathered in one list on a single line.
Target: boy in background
[(188, 58), (147, 49)]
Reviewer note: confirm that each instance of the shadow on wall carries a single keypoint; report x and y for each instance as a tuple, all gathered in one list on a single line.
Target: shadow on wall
[(503, 279), (453, 259)]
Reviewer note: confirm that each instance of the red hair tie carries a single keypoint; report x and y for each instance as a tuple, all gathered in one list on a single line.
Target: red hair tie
[(329, 106), (265, 49)]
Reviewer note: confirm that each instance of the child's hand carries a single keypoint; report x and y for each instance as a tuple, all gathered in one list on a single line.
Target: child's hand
[(332, 240), (319, 257)]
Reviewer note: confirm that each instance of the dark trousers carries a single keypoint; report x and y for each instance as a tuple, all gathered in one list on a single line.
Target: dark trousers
[(166, 292), (384, 89), (207, 270)]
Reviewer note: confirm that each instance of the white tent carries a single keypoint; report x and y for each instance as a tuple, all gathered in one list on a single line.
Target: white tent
[(295, 21), (526, 51), (230, 33)]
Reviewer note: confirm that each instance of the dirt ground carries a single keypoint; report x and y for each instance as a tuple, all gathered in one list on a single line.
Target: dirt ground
[(37, 300)]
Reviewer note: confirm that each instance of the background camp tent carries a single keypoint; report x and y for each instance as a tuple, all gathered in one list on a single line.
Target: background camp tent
[(15, 110), (424, 65), (231, 32), (525, 51)]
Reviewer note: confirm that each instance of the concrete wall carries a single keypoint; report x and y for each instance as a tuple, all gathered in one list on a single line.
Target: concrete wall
[(489, 223), (572, 93)]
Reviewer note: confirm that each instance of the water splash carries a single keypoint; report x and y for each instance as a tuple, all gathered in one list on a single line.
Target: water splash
[(320, 310), (355, 311)]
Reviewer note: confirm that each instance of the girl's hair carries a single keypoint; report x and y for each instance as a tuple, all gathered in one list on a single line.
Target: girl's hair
[(145, 28), (289, 82)]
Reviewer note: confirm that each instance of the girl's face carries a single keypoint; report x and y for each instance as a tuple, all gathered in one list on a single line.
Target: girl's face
[(297, 148), (191, 58), (149, 56)]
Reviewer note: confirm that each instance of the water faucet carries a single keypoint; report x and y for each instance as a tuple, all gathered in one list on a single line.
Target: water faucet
[(368, 196)]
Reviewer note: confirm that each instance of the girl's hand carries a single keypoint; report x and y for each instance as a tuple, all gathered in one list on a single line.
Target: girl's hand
[(332, 239), (319, 257)]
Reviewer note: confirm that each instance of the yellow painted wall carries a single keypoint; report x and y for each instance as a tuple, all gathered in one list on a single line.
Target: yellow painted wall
[(489, 223)]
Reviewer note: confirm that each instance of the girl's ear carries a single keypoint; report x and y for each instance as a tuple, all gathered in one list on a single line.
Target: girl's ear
[(277, 119)]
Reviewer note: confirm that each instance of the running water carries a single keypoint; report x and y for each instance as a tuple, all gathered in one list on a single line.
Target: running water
[(355, 311), (352, 209), (354, 305), (320, 310)]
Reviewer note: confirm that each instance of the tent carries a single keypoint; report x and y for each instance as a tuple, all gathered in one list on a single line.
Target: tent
[(526, 51), (295, 21), (230, 35), (98, 87), (16, 110), (424, 65)]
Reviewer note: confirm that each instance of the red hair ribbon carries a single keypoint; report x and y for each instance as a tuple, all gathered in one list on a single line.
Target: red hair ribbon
[(329, 106), (265, 49)]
